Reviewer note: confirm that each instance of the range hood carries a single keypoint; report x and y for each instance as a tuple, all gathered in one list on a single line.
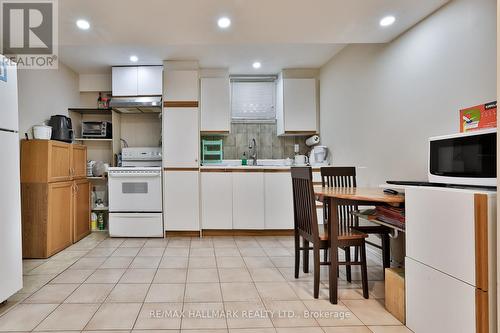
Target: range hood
[(136, 104)]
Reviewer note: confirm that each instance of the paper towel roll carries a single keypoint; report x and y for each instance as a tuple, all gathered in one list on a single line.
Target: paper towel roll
[(313, 140)]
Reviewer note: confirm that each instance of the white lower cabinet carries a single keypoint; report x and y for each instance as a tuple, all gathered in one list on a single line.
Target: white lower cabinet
[(217, 200), (248, 200), (181, 195), (278, 200), (437, 302)]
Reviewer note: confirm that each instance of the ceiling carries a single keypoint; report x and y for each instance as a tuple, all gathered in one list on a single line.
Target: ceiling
[(278, 33)]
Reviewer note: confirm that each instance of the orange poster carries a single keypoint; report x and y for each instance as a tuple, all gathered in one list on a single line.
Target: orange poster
[(478, 117)]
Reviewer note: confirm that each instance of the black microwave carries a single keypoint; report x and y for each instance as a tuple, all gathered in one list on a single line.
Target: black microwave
[(468, 158)]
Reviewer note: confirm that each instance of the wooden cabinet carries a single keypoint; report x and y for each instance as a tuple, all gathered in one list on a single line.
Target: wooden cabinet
[(45, 161), (215, 105), (78, 161), (180, 85), (124, 81), (181, 206), (81, 202), (217, 200), (59, 217), (297, 106), (55, 196), (46, 218), (181, 140), (248, 200), (278, 200)]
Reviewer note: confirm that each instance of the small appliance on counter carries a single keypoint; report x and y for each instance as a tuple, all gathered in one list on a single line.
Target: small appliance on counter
[(42, 132), (62, 129), (318, 156), (96, 129)]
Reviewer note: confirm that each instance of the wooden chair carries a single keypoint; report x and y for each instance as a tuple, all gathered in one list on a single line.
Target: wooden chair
[(346, 177), (306, 226)]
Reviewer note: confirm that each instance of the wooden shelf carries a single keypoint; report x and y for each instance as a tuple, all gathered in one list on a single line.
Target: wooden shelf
[(90, 110), (93, 139), (374, 219)]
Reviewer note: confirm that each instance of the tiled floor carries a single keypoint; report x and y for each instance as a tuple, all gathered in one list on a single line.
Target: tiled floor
[(226, 284)]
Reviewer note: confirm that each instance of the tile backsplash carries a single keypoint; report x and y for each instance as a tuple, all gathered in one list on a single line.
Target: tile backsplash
[(269, 145)]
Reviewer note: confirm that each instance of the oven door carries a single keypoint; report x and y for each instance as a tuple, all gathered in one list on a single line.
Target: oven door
[(135, 191)]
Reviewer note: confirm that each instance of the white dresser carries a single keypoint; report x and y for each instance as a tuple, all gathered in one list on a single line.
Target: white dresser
[(451, 259)]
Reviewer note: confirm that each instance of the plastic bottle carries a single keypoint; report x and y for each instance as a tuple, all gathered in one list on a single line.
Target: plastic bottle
[(93, 221), (244, 159), (100, 221)]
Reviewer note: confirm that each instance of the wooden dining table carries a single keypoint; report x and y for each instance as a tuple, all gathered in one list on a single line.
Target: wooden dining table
[(335, 197)]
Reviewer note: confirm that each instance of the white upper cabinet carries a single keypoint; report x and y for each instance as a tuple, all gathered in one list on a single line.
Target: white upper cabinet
[(181, 138), (137, 80), (215, 105), (297, 106), (150, 80), (124, 81), (181, 85)]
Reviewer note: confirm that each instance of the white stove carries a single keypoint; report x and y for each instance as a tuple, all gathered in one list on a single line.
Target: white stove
[(135, 194)]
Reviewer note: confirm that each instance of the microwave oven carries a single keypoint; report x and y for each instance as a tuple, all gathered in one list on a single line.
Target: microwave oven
[(468, 158), (96, 129)]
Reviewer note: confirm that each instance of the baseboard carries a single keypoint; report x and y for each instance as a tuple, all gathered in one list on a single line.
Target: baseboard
[(184, 233), (246, 232)]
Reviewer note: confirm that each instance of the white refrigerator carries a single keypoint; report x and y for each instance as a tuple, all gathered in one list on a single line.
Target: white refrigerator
[(11, 272)]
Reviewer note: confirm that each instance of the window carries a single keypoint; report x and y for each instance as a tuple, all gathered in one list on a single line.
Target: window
[(253, 99)]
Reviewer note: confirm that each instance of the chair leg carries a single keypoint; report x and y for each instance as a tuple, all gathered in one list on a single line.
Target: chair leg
[(347, 252), (356, 254), (316, 270), (325, 255), (305, 254), (297, 255), (386, 251), (364, 272)]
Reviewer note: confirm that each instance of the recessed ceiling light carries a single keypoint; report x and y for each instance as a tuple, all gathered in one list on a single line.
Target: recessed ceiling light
[(256, 65), (387, 21), (83, 24), (134, 58), (224, 22)]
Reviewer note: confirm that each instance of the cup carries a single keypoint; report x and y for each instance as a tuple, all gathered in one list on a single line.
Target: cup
[(300, 160)]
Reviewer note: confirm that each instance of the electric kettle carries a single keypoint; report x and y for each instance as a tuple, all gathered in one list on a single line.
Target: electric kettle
[(62, 129)]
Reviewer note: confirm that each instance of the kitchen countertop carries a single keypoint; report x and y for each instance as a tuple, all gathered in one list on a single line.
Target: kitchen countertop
[(247, 168)]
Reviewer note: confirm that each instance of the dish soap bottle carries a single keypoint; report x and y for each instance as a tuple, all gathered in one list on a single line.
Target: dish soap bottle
[(244, 159)]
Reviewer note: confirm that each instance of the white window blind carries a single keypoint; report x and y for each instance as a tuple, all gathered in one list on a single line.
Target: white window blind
[(253, 100)]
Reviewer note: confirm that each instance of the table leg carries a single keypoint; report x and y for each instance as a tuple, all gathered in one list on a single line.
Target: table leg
[(333, 228)]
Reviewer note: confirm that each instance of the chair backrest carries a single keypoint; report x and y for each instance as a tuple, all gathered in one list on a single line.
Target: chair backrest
[(344, 177), (304, 203), (338, 176)]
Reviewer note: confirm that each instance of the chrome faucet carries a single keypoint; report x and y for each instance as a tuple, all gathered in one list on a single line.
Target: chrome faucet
[(252, 146)]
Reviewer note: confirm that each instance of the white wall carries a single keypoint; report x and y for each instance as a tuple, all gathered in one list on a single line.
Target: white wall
[(380, 103), (43, 93)]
